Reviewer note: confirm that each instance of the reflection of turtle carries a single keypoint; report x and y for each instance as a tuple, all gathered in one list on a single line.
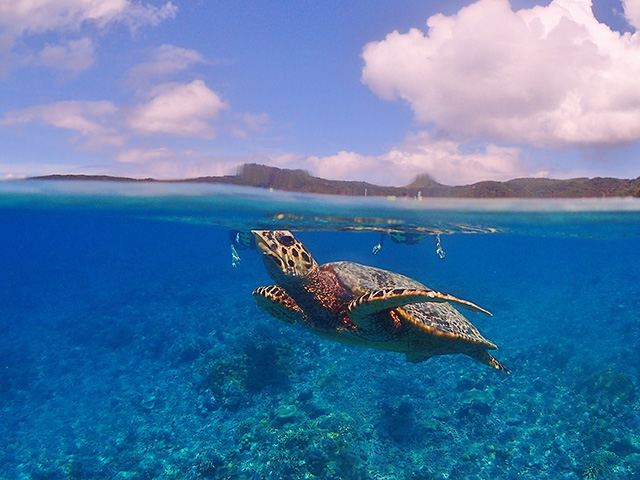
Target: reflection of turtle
[(408, 238), (239, 239), (366, 306)]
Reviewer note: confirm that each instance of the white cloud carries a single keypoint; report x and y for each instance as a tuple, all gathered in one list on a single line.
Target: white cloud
[(420, 153), (165, 163), (174, 109), (113, 131), (19, 18), (632, 12), (37, 16), (93, 122), (550, 75), (165, 60), (179, 109), (75, 56), (140, 15), (86, 118)]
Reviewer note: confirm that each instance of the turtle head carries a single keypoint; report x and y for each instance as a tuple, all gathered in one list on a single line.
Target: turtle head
[(284, 257)]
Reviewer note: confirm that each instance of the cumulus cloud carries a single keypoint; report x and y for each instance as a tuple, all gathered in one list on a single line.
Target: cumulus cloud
[(20, 18), (120, 133), (74, 56), (90, 120), (632, 12), (174, 109), (38, 16), (165, 60), (160, 162), (552, 76), (444, 160), (179, 109)]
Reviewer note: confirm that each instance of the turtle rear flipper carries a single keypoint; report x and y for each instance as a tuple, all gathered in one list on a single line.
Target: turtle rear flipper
[(485, 357), (277, 303), (363, 307), (417, 356)]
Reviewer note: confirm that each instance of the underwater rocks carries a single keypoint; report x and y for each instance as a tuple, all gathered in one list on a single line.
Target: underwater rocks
[(609, 385), (290, 445), (259, 366), (476, 401), (633, 462), (285, 415), (398, 421), (624, 447)]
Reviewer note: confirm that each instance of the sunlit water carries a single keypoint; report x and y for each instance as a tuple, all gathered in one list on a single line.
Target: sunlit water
[(131, 348)]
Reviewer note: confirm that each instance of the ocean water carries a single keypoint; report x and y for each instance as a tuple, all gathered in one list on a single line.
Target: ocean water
[(131, 347)]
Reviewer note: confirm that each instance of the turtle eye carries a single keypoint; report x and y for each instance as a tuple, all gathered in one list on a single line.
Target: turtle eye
[(287, 240)]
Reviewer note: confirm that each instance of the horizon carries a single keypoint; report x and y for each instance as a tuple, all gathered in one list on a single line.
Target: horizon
[(366, 92)]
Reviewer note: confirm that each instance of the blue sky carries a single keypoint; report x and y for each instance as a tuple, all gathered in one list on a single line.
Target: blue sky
[(370, 90)]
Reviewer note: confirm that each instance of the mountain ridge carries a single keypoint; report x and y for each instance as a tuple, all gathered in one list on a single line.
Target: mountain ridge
[(263, 176)]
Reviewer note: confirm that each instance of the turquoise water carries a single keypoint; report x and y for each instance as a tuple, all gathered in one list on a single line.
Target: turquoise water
[(131, 348)]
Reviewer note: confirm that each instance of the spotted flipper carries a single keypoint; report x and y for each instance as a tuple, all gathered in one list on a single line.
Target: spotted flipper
[(277, 303), (363, 307)]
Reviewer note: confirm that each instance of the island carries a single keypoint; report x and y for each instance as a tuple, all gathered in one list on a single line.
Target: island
[(263, 176)]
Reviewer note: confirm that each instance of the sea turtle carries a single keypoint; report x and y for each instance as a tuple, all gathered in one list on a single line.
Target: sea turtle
[(367, 306)]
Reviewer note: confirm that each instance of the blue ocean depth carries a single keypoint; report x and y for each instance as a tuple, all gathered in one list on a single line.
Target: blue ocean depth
[(131, 348)]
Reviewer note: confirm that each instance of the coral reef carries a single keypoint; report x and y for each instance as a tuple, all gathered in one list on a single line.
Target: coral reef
[(598, 465)]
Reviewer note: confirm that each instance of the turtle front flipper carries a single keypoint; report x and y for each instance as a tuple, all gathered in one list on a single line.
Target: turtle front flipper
[(274, 300), (373, 302)]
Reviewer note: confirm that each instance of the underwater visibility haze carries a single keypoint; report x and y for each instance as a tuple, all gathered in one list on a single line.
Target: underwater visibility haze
[(131, 346)]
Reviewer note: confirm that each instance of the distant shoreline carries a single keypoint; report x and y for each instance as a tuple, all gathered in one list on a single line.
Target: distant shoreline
[(262, 176)]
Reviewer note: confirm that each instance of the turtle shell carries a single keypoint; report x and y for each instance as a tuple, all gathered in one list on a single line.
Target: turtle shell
[(424, 319)]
